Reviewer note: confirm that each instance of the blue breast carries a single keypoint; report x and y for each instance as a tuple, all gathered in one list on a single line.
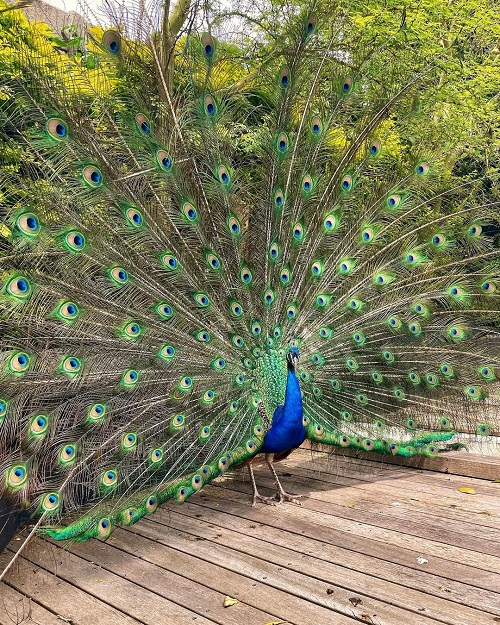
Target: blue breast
[(287, 430)]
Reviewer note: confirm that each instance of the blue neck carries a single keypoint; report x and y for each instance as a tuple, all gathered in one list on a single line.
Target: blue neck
[(292, 410), (287, 430)]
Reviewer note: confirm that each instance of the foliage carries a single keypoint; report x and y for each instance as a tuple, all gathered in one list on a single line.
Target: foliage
[(456, 44)]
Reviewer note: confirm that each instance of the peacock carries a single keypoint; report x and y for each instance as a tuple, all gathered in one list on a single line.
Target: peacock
[(203, 267)]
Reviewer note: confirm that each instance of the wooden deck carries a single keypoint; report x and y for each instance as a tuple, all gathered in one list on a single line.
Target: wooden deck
[(349, 554)]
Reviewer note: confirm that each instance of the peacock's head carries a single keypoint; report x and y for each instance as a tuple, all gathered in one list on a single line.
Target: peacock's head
[(292, 358)]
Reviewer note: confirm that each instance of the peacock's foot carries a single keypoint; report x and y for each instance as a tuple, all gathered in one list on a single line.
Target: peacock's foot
[(291, 497), (270, 501)]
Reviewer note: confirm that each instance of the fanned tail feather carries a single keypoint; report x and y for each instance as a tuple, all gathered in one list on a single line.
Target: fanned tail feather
[(156, 265)]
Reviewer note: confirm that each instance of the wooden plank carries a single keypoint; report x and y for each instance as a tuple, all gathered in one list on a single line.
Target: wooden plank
[(99, 587), (431, 498), (126, 555), (409, 483), (298, 588), (59, 597), (16, 608), (442, 607), (421, 579), (439, 496), (470, 512), (456, 463), (299, 564), (319, 500), (226, 573), (366, 469), (387, 545), (440, 528)]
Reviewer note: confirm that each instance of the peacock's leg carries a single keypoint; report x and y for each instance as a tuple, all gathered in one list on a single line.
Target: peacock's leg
[(281, 494), (271, 501)]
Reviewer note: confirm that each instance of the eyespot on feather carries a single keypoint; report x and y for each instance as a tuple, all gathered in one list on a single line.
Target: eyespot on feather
[(134, 217), (213, 261), (167, 352), (316, 127), (474, 231), (394, 201), (233, 226), (118, 276), (164, 161), (185, 383), (97, 412), (70, 365), (489, 287), (67, 454), (130, 377), (223, 175), (67, 311), (279, 199), (347, 183), (74, 241), (19, 362), (298, 232), (347, 85), (129, 441), (17, 476), (190, 213), (156, 456), (57, 128), (284, 77), (92, 176), (282, 143), (143, 124), (307, 184), (236, 309), (39, 425), (19, 287), (132, 330), (129, 516), (112, 41), (104, 528), (311, 24), (50, 502), (109, 478), (152, 503), (208, 46), (197, 482), (170, 261), (438, 240), (422, 169), (210, 106), (27, 223)]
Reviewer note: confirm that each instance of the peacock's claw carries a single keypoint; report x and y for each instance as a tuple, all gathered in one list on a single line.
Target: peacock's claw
[(291, 497), (270, 501)]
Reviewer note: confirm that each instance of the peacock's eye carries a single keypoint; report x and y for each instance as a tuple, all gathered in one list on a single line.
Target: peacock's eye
[(17, 476), (143, 124), (112, 40), (347, 85), (129, 441), (130, 377), (152, 503), (92, 176), (28, 224), (19, 287), (51, 502), (164, 160)]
